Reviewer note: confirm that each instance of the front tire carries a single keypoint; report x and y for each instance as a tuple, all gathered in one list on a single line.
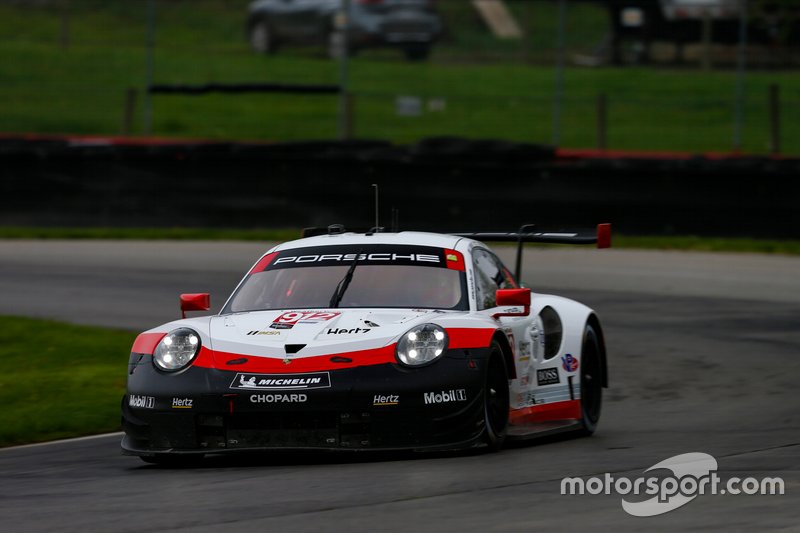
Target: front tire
[(495, 400), (591, 381)]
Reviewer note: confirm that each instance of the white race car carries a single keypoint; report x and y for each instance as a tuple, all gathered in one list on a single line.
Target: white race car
[(369, 340)]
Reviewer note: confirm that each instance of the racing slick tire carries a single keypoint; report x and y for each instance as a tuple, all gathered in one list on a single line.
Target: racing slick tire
[(261, 37), (591, 381), (495, 399)]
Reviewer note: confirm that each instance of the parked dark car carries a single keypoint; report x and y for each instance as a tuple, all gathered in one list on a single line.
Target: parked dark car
[(410, 25)]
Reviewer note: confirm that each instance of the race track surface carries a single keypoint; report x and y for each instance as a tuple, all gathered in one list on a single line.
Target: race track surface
[(704, 357)]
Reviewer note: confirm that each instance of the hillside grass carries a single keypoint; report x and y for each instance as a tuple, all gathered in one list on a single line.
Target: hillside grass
[(474, 86)]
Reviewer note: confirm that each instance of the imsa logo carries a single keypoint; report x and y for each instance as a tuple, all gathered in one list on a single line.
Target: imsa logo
[(458, 395)]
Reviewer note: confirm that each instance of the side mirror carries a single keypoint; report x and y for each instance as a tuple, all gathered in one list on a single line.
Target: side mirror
[(195, 302), (515, 297)]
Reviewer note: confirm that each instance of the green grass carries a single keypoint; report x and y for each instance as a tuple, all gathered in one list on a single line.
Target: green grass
[(687, 243), (709, 244), (11, 232), (59, 380), (491, 88)]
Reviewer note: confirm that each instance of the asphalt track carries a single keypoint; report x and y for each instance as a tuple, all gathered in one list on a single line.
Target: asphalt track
[(704, 357)]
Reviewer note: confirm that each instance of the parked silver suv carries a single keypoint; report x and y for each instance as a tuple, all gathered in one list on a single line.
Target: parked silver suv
[(410, 25)]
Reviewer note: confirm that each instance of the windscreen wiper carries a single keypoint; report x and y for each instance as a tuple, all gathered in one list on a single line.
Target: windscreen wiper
[(338, 294)]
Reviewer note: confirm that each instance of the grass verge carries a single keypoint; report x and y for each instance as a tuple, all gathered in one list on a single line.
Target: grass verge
[(59, 380), (684, 242)]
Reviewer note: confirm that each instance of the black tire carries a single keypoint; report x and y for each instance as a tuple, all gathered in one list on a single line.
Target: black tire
[(261, 37), (591, 380), (417, 53), (173, 461), (495, 399)]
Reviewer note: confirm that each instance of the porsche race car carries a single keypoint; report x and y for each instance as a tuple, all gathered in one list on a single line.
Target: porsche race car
[(369, 341)]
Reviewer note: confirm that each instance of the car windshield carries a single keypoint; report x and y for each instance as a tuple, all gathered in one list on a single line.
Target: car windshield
[(385, 276)]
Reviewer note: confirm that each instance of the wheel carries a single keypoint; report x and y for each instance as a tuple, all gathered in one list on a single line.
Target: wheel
[(591, 381), (173, 461), (417, 53), (261, 37), (495, 400)]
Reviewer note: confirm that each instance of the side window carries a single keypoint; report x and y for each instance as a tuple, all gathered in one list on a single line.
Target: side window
[(490, 275)]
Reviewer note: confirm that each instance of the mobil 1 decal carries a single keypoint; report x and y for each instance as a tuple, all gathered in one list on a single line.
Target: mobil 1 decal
[(375, 254)]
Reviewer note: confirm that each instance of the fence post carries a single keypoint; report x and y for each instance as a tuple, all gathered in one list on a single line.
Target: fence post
[(64, 36), (129, 111), (708, 40), (774, 119), (602, 121), (349, 126)]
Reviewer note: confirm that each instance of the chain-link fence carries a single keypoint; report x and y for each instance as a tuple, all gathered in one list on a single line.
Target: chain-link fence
[(493, 71)]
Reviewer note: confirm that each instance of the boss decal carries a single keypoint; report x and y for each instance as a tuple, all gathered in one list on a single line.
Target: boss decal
[(547, 376), (318, 380), (142, 402)]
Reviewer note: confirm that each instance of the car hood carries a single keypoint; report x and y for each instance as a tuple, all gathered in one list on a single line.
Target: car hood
[(300, 334)]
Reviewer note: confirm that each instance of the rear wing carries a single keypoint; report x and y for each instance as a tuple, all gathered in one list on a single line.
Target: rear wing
[(601, 237)]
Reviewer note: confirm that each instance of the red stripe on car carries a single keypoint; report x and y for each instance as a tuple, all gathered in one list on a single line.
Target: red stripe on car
[(294, 363), (263, 263), (146, 342), (469, 337), (454, 260), (546, 412)]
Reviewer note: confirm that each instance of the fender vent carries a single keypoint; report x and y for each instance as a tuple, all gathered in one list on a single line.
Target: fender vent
[(293, 348)]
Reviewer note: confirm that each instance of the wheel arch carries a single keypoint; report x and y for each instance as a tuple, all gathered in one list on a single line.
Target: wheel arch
[(595, 323), (508, 353)]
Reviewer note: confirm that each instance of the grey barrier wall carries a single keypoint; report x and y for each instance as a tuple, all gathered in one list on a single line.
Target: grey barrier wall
[(445, 184)]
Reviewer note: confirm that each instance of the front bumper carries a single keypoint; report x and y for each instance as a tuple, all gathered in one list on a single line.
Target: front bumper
[(380, 407)]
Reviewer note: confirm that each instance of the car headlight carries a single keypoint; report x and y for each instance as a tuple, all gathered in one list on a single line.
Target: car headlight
[(421, 345), (177, 349)]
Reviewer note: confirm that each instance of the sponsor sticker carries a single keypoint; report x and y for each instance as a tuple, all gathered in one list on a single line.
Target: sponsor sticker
[(457, 395), (278, 382), (382, 400), (378, 254), (265, 332), (366, 258), (278, 398), (547, 376), (290, 318), (345, 331), (141, 402), (182, 403), (569, 363)]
